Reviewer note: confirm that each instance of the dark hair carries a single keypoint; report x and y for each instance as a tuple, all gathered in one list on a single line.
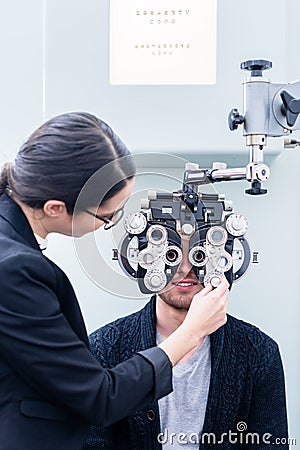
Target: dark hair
[(61, 156)]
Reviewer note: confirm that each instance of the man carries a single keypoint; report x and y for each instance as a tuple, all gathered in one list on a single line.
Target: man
[(228, 393)]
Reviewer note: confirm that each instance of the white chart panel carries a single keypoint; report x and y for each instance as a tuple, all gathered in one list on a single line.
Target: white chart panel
[(163, 42)]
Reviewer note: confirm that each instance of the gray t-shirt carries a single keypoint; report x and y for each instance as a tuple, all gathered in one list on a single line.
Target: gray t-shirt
[(182, 412)]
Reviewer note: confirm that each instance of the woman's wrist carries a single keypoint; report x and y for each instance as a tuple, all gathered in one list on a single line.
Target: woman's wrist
[(179, 343)]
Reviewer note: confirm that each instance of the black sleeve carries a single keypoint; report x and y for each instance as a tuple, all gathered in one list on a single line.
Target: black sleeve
[(37, 340)]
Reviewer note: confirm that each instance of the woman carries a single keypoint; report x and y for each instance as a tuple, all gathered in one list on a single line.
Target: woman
[(51, 387)]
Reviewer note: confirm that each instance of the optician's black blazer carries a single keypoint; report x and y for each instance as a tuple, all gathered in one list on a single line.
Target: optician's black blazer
[(51, 387)]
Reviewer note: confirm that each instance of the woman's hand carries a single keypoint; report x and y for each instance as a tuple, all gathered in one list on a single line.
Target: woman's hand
[(208, 309), (206, 314)]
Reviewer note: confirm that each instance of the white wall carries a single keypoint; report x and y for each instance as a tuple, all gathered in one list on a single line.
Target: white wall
[(55, 59), (21, 75)]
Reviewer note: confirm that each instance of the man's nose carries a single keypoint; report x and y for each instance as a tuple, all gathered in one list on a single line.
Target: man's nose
[(185, 266)]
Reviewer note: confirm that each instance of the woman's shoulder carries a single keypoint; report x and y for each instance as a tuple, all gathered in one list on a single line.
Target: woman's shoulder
[(17, 254), (20, 263)]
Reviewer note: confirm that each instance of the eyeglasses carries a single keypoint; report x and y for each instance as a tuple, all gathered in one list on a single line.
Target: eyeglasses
[(109, 221)]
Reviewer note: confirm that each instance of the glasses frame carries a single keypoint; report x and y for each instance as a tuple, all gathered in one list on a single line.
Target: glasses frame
[(108, 222)]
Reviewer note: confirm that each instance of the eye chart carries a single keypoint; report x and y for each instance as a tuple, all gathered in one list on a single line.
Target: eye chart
[(163, 42)]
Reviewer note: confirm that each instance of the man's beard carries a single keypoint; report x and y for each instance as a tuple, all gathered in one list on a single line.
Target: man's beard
[(177, 299), (180, 301)]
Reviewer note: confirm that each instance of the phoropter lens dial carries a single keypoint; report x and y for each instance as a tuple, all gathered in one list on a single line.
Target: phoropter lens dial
[(217, 236), (147, 258), (135, 223), (224, 262), (157, 235), (155, 280), (172, 255), (213, 278), (237, 224), (198, 256)]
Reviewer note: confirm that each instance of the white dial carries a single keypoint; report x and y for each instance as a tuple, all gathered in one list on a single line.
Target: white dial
[(135, 223), (237, 224), (155, 280)]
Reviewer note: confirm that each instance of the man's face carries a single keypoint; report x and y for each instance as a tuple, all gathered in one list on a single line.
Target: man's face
[(180, 292)]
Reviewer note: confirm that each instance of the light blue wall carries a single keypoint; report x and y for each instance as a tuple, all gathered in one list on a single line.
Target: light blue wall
[(55, 59)]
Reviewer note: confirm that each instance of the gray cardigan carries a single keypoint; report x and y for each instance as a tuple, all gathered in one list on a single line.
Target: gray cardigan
[(247, 385)]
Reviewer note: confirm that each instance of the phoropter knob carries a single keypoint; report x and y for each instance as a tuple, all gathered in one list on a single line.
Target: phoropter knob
[(290, 107), (256, 66), (234, 119)]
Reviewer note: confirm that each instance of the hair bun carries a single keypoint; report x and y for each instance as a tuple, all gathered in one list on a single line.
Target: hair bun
[(5, 176)]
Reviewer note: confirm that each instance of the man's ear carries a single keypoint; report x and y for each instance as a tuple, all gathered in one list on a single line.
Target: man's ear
[(54, 208)]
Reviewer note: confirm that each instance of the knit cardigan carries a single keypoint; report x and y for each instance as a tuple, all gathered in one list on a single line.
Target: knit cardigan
[(246, 394)]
